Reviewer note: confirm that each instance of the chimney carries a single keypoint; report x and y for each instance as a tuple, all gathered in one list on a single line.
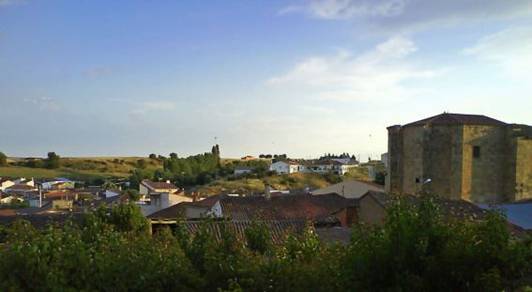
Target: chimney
[(268, 192)]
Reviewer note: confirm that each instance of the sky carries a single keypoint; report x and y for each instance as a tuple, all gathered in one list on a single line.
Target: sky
[(302, 77)]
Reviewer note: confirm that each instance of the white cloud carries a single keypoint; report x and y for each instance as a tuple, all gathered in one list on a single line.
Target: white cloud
[(374, 75), (44, 103), (400, 14), (511, 49)]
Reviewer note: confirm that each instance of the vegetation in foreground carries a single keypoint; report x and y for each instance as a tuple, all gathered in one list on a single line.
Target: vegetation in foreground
[(416, 250)]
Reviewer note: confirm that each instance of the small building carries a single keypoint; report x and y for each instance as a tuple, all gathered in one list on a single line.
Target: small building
[(352, 189), (147, 187), (241, 170), (6, 183), (58, 183), (286, 167), (21, 189), (248, 158)]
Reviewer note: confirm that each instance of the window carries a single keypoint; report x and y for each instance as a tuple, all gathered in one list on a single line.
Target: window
[(476, 151), (417, 180)]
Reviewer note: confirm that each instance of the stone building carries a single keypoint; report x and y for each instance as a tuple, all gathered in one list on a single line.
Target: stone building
[(460, 156)]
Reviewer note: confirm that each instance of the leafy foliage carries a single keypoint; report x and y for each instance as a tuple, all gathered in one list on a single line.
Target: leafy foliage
[(53, 160), (417, 249), (3, 159)]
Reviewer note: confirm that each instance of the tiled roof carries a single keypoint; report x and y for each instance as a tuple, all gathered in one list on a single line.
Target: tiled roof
[(350, 189), (279, 207), (42, 220), (278, 229), (21, 187), (283, 207), (174, 211), (158, 185), (457, 119)]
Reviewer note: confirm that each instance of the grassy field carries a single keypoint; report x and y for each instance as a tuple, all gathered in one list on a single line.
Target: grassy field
[(83, 168), (280, 182)]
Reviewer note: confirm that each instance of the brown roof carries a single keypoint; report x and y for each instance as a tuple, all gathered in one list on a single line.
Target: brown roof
[(284, 207), (158, 185), (43, 220), (457, 119), (21, 187), (278, 229), (174, 211), (280, 207)]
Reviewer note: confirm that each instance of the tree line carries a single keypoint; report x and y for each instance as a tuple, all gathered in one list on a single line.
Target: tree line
[(415, 250)]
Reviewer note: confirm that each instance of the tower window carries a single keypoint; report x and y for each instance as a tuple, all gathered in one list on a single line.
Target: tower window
[(476, 151)]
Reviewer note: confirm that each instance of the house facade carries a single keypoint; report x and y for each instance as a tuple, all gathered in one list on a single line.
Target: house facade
[(147, 187), (286, 167), (458, 156)]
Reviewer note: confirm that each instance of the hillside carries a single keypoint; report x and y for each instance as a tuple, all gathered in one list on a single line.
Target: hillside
[(280, 182), (81, 168)]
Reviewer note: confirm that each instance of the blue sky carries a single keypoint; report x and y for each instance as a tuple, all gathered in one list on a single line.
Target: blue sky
[(299, 77)]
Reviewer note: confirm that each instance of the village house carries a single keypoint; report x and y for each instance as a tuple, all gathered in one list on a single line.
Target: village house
[(57, 183), (241, 170), (322, 209), (248, 158), (352, 189), (147, 187), (6, 183), (159, 195), (461, 156), (286, 167), (337, 166)]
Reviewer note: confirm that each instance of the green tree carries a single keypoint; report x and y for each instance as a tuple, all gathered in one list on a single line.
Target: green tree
[(53, 160), (133, 195), (141, 163), (153, 156), (3, 159)]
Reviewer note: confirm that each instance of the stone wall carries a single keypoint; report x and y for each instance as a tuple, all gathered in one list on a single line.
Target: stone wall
[(394, 176), (523, 170), (412, 160), (483, 177)]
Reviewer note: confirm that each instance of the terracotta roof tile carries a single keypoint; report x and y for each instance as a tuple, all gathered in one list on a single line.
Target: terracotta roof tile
[(158, 185), (457, 119)]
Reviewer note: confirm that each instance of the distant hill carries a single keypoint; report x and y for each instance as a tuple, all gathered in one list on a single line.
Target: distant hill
[(81, 168), (280, 182)]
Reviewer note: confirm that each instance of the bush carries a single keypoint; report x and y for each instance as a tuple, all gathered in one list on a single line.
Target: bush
[(3, 159), (53, 160), (417, 249)]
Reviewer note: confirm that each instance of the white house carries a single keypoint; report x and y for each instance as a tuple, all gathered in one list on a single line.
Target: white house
[(241, 170), (286, 167), (159, 201), (110, 193), (331, 166), (147, 187), (6, 183), (49, 184), (10, 199)]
